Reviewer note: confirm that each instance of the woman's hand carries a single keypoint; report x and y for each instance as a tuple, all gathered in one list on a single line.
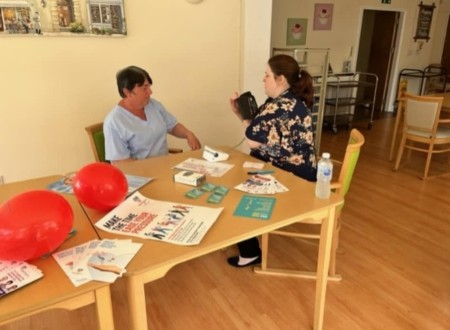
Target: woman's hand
[(192, 141), (181, 131)]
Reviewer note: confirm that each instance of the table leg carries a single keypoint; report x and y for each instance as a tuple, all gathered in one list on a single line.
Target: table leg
[(323, 265), (104, 308), (136, 302)]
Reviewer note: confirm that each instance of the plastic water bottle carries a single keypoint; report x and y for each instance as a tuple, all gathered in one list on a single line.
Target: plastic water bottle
[(324, 175)]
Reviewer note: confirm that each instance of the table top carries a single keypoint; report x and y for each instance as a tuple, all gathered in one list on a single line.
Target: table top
[(298, 203), (446, 101), (54, 287)]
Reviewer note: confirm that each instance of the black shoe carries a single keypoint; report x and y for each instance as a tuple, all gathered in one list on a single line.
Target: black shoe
[(234, 261)]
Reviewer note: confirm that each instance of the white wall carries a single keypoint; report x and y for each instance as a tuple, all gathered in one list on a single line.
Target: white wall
[(255, 48)]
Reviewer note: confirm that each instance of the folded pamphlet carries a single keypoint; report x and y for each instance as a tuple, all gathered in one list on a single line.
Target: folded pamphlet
[(97, 260), (15, 275)]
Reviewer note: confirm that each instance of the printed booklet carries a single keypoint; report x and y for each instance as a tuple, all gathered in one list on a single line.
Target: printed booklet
[(15, 275), (255, 207)]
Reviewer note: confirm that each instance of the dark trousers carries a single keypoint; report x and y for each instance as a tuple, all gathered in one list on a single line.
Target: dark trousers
[(249, 248)]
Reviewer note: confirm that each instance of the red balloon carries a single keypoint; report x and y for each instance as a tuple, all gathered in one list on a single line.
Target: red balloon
[(33, 224), (100, 186)]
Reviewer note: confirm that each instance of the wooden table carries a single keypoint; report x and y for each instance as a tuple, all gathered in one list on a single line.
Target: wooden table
[(292, 206), (54, 290), (445, 102)]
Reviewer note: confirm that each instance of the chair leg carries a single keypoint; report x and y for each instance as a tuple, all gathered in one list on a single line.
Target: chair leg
[(264, 250), (399, 153), (428, 161), (394, 134)]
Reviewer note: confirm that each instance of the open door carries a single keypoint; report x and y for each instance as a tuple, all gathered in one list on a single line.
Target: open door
[(377, 48)]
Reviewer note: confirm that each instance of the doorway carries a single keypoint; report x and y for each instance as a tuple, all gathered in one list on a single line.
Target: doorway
[(377, 48)]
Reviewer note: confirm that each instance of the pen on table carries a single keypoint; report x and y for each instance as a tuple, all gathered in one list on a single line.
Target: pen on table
[(260, 172)]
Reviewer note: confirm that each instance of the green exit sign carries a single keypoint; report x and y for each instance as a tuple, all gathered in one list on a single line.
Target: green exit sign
[(386, 1)]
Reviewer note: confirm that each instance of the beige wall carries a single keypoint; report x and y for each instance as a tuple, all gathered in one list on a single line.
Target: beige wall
[(52, 87), (344, 35), (346, 24)]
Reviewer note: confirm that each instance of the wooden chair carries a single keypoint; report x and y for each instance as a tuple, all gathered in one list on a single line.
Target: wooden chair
[(421, 130), (97, 140), (340, 187)]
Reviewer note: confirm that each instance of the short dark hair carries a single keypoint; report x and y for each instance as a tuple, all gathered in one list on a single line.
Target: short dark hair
[(130, 77)]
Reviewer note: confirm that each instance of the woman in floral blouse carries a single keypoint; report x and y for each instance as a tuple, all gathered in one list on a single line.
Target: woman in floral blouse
[(282, 133)]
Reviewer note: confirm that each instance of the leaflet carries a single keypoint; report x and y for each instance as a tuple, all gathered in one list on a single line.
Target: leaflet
[(169, 222), (64, 185), (97, 260), (261, 184), (15, 275)]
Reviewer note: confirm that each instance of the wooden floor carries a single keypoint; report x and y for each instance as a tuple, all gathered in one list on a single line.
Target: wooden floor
[(394, 258)]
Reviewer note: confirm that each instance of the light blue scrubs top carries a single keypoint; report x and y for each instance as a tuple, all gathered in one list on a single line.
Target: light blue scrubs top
[(128, 136)]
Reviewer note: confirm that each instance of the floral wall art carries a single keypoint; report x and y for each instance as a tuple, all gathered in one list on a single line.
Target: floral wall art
[(62, 17), (296, 31), (323, 16)]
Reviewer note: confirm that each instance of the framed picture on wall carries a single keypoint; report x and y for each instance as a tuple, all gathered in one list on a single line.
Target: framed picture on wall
[(323, 16), (63, 18), (424, 21), (296, 31)]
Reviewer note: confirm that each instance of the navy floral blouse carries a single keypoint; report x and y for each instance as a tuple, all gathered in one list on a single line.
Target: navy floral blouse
[(284, 126)]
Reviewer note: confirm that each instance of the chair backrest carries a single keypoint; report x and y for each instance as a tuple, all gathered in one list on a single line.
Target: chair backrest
[(97, 140), (422, 112), (355, 142)]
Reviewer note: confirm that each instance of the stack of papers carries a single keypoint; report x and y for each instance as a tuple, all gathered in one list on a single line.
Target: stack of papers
[(16, 274), (97, 260), (261, 184), (64, 185), (215, 169)]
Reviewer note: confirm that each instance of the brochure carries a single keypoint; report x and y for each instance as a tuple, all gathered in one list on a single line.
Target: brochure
[(255, 207), (169, 222), (15, 275), (97, 260), (64, 185), (261, 184)]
